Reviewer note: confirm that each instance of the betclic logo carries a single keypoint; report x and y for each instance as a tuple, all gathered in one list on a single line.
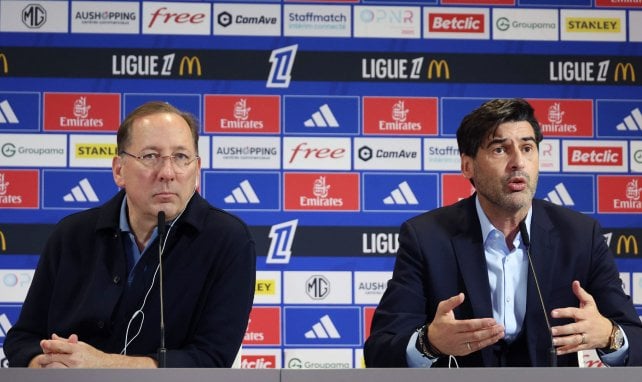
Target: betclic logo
[(619, 194), (77, 112), (176, 18), (242, 114), (461, 23), (564, 117), (321, 191), (595, 156), (400, 115)]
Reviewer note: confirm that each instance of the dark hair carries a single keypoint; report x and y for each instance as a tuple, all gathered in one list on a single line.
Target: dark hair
[(153, 107), (483, 121)]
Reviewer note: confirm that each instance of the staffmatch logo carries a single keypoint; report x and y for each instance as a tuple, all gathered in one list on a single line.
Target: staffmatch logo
[(400, 116), (619, 194), (74, 112), (242, 114), (321, 192)]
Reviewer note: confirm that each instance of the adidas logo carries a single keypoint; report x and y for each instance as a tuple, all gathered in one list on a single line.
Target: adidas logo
[(323, 329), (560, 196), (83, 192), (322, 118), (5, 325), (632, 122), (401, 195), (243, 194), (6, 113)]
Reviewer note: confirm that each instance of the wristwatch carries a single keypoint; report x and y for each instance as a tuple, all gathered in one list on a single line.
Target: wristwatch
[(616, 340), (423, 345)]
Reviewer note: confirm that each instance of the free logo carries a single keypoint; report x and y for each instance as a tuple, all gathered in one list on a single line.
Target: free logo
[(176, 19)]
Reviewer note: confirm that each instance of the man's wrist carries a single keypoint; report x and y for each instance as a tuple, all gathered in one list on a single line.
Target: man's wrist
[(424, 346)]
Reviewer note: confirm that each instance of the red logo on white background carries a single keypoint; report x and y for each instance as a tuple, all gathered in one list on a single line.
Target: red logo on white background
[(321, 192), (595, 156), (81, 112), (262, 361), (400, 116), (165, 16), (564, 118), (619, 194), (456, 22), (242, 114), (264, 327), (478, 2), (368, 313), (455, 187), (19, 188)]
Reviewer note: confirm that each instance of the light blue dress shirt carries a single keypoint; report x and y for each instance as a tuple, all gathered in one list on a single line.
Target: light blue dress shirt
[(129, 242), (508, 279)]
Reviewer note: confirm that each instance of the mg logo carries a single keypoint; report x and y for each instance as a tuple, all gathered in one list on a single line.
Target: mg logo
[(627, 242), (317, 287), (34, 16)]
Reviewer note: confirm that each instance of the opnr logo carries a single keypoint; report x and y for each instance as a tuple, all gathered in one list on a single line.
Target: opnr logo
[(167, 17), (191, 62), (5, 63), (630, 244), (624, 70), (437, 66)]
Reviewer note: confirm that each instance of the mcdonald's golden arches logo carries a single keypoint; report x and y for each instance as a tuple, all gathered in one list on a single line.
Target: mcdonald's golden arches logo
[(191, 62), (629, 242), (624, 69), (438, 66), (3, 242), (5, 63)]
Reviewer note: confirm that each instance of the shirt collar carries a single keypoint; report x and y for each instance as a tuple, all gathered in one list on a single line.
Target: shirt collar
[(487, 227)]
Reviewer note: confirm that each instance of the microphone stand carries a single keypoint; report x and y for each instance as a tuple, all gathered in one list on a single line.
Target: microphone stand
[(162, 351), (552, 353)]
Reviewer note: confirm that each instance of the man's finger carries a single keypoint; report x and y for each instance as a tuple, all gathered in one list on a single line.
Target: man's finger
[(581, 294), (446, 306)]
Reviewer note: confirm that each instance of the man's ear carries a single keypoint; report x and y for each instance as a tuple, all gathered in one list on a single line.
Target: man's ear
[(467, 168), (117, 171)]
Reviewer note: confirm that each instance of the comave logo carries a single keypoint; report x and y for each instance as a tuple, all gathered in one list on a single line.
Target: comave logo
[(322, 118), (83, 192), (6, 113), (323, 329), (243, 194), (632, 122), (401, 195), (560, 196)]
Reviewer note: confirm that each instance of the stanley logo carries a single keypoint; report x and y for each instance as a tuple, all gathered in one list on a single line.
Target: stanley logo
[(5, 63), (96, 150), (191, 63), (3, 242), (624, 70), (437, 66), (630, 244)]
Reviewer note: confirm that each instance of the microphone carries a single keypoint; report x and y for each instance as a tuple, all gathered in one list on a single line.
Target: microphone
[(162, 351), (552, 354)]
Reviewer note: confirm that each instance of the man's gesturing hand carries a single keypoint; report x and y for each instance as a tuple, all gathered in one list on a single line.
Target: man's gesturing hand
[(461, 337)]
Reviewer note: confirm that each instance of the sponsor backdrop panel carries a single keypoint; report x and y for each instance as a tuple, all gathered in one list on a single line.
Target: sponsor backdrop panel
[(324, 125)]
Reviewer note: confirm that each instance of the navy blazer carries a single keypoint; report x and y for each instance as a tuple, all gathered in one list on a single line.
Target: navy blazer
[(441, 254), (80, 286)]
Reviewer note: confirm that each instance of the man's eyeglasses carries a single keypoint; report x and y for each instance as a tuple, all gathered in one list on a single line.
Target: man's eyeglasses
[(154, 160)]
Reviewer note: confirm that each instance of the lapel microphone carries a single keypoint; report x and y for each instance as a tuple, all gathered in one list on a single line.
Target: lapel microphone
[(552, 354), (162, 351)]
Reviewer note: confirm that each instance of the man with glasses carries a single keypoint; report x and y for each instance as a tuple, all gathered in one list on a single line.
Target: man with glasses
[(95, 301)]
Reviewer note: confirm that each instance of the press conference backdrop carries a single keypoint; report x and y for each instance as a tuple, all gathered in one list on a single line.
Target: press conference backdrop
[(325, 125)]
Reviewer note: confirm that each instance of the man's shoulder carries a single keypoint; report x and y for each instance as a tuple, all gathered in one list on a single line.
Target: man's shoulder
[(559, 214)]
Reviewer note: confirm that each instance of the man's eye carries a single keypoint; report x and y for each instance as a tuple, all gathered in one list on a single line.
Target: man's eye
[(181, 156), (149, 156)]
